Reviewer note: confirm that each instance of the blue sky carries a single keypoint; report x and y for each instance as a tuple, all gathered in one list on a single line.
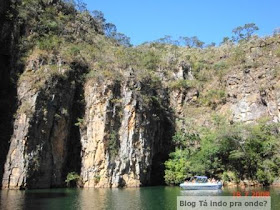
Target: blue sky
[(209, 20)]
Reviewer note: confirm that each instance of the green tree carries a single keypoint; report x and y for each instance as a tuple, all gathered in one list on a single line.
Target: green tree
[(231, 151), (122, 39), (72, 179), (225, 40), (244, 32), (186, 41), (196, 42), (110, 30), (212, 44), (167, 39), (250, 28), (238, 32), (177, 167), (192, 41), (99, 18)]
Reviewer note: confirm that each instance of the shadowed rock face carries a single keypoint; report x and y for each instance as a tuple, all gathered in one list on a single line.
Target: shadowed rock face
[(121, 135), (125, 135), (8, 70), (38, 146)]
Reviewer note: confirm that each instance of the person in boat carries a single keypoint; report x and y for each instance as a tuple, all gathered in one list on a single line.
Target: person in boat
[(189, 180), (213, 180)]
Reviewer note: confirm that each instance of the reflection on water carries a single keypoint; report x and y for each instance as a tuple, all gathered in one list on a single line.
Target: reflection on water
[(201, 192), (131, 198), (12, 199)]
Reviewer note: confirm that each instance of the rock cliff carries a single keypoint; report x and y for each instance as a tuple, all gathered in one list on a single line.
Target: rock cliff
[(38, 145), (9, 68), (125, 134), (83, 103), (125, 127), (252, 94), (253, 88)]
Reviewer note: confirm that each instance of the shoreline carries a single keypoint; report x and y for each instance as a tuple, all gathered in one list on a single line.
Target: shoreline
[(227, 185)]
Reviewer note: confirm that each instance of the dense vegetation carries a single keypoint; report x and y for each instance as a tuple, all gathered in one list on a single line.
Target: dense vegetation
[(231, 152), (59, 34)]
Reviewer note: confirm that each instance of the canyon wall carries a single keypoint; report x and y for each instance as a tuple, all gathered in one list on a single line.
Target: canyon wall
[(125, 126), (125, 134), (9, 69), (73, 103), (38, 145)]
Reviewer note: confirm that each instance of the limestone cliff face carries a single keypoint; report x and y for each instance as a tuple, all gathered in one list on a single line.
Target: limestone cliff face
[(124, 135), (38, 145), (183, 96), (248, 100), (253, 91)]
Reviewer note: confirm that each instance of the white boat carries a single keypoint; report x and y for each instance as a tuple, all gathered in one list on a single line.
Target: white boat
[(201, 183)]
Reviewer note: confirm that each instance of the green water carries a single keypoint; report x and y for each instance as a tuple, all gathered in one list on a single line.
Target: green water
[(131, 198)]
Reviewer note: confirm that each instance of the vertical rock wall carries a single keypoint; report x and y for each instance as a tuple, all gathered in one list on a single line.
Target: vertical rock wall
[(123, 132), (38, 145), (9, 69)]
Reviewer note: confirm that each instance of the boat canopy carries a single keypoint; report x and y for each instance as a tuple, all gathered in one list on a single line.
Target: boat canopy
[(201, 177)]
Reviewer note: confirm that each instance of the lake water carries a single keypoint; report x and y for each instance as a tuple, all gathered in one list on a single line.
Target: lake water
[(131, 198)]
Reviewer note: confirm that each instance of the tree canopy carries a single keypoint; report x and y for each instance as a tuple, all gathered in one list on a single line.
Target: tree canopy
[(244, 32), (229, 150)]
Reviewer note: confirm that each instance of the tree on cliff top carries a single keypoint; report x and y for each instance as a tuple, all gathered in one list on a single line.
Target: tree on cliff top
[(192, 41), (244, 32)]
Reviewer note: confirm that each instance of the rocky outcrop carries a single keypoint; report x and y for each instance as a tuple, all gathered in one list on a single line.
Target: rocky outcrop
[(253, 94), (38, 146), (184, 71), (181, 97), (125, 135), (252, 88)]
